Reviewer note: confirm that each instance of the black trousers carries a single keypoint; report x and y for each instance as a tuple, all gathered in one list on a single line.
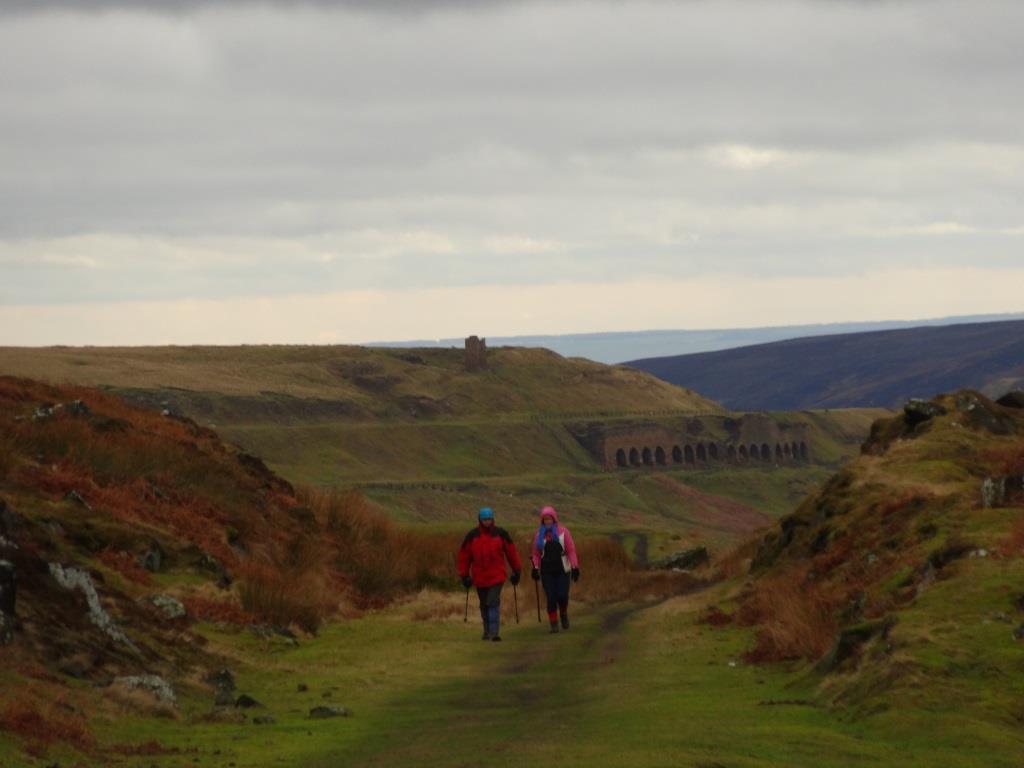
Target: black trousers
[(556, 587)]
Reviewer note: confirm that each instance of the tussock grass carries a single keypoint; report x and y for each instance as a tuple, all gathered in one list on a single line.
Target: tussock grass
[(379, 558)]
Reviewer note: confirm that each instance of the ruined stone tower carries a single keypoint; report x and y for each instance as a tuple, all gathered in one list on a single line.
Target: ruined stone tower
[(476, 354)]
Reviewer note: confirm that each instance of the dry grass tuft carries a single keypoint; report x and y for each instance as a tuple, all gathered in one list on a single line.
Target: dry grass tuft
[(223, 611), (58, 725), (796, 620), (125, 564), (377, 557)]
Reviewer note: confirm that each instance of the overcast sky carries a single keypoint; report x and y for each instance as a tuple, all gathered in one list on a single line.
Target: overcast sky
[(226, 171)]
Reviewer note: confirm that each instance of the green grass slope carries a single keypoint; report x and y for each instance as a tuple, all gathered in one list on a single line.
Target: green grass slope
[(310, 382)]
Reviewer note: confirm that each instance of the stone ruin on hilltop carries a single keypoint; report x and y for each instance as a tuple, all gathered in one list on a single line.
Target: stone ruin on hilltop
[(476, 354)]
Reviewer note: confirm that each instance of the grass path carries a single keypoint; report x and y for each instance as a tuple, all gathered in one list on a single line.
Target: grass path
[(627, 686)]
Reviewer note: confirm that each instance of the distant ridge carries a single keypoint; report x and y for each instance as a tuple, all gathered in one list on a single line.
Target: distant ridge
[(873, 369), (614, 347)]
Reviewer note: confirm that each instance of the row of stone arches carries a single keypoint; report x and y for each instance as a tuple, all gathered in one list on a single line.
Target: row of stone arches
[(702, 453)]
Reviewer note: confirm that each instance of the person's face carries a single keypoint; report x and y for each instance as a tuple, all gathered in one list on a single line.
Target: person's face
[(487, 523), (547, 519)]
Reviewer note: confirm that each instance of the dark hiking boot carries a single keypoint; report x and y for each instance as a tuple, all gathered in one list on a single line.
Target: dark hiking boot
[(565, 621), (554, 628), (496, 639), (486, 635)]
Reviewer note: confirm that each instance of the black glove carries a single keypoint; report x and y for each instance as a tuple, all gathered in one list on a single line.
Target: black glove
[(467, 582), (575, 574), (514, 578), (535, 574)]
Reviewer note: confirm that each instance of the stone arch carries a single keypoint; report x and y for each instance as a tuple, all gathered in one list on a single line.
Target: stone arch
[(659, 455), (803, 451), (702, 452), (713, 451), (778, 452), (743, 453), (634, 457), (796, 451), (688, 453), (755, 453), (766, 452), (730, 453), (677, 454), (788, 450), (620, 458), (647, 457)]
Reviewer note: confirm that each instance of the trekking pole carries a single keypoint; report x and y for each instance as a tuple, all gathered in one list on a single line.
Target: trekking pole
[(536, 591), (465, 618), (515, 595)]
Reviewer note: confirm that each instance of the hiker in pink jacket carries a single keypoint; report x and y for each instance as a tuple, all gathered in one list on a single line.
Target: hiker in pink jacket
[(554, 560)]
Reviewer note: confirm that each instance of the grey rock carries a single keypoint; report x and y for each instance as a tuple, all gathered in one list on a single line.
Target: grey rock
[(1013, 399), (76, 497), (76, 579), (209, 563), (153, 559), (919, 411), (76, 408), (153, 684), (683, 560), (1018, 633), (168, 606), (245, 701), (993, 492), (329, 710), (263, 720), (222, 680)]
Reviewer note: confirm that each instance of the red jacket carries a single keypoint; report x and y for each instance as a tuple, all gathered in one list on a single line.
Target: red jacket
[(483, 554)]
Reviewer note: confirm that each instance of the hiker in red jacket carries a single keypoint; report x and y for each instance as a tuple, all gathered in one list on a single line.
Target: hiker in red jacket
[(482, 559), (554, 563)]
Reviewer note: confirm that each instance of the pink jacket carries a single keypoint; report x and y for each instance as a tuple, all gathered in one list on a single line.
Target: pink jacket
[(569, 560)]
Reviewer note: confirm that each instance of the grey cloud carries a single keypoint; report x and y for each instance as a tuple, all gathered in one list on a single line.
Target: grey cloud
[(590, 124)]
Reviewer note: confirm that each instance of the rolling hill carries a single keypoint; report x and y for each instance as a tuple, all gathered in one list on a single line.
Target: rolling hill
[(876, 369), (429, 442)]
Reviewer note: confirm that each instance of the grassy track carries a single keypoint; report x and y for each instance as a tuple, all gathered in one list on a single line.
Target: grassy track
[(628, 685)]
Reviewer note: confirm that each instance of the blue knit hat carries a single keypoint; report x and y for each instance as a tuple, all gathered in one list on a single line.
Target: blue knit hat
[(486, 514)]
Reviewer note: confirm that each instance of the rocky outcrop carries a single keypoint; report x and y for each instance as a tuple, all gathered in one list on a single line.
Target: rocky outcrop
[(1002, 491), (153, 558), (919, 411), (1014, 399), (49, 410), (684, 560), (76, 579), (155, 685), (170, 607)]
